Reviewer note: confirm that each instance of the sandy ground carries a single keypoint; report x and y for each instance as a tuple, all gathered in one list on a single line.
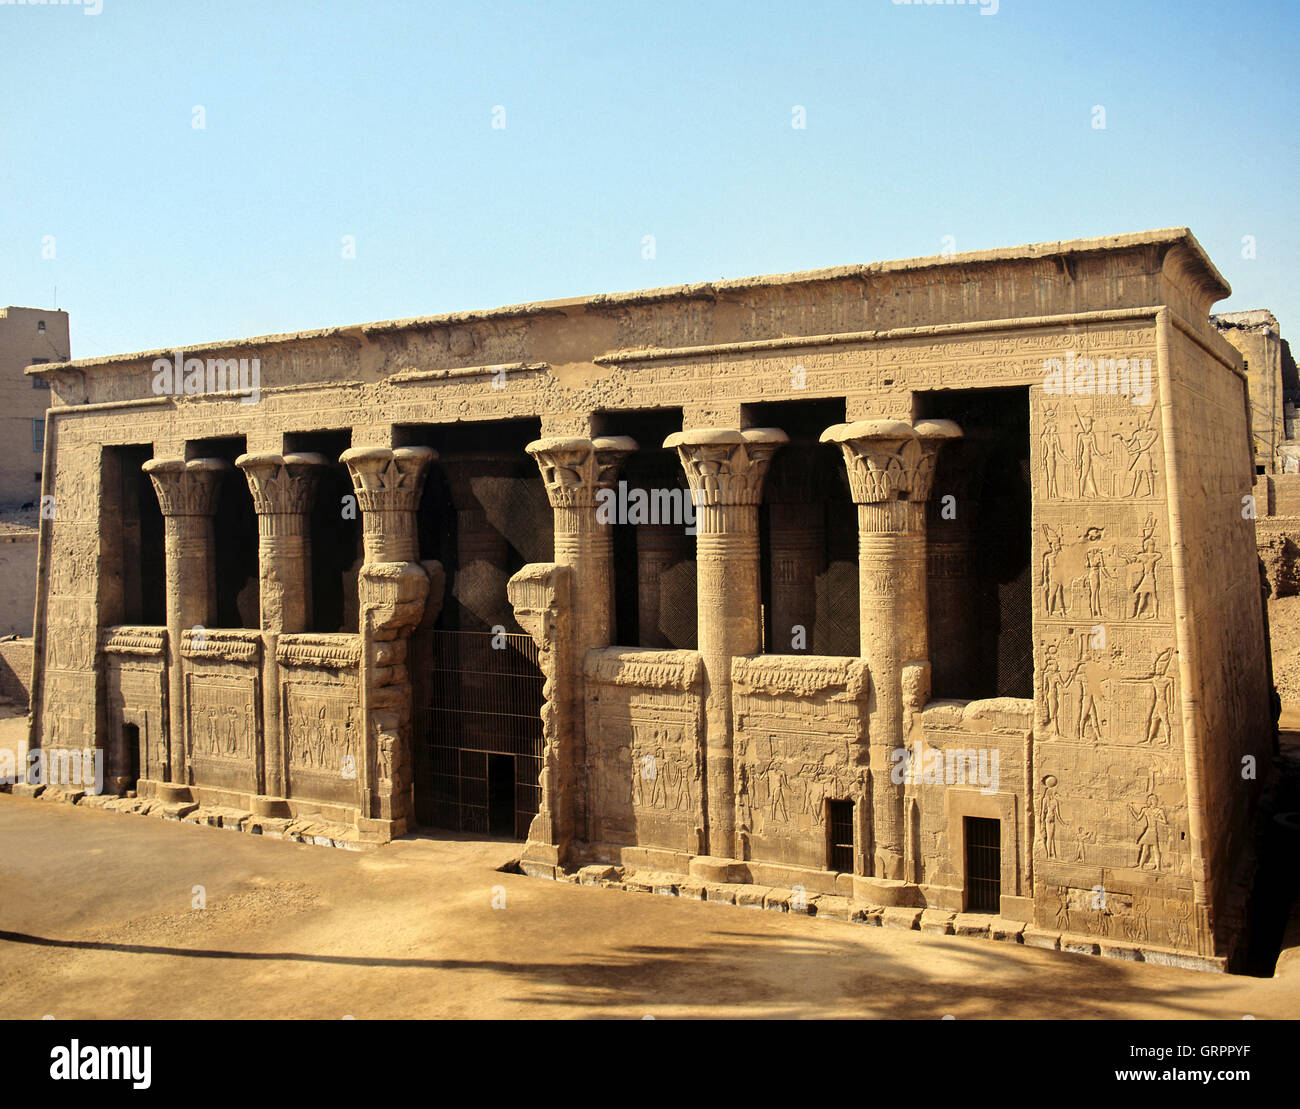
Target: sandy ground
[(1284, 634), (13, 735), (96, 920)]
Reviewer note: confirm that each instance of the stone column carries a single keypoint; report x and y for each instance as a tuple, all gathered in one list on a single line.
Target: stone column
[(388, 484), (891, 470), (393, 591), (284, 491), (725, 469), (574, 471), (796, 518), (187, 495)]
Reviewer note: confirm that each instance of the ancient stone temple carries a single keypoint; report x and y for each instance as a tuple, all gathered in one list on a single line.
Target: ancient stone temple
[(921, 585)]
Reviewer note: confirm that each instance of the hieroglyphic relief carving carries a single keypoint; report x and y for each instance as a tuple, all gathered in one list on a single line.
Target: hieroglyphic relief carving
[(221, 719), (644, 712), (321, 730), (1142, 580), (1152, 824), (801, 730)]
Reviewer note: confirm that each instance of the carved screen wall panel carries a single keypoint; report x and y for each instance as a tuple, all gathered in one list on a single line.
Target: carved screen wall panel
[(324, 741), (801, 729), (223, 721), (645, 748)]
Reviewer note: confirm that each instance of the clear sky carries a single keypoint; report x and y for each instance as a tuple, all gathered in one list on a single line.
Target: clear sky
[(375, 120)]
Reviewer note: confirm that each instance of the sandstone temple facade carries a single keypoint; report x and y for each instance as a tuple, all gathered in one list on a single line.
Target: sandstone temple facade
[(923, 583)]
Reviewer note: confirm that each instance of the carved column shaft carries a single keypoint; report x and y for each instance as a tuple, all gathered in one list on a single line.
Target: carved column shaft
[(725, 470), (574, 472), (540, 595), (283, 489), (891, 470), (187, 496), (393, 591)]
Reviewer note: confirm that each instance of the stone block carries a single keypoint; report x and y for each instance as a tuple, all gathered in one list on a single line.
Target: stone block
[(969, 924), (1007, 931), (937, 922), (596, 874), (834, 908), (897, 916), (1038, 937)]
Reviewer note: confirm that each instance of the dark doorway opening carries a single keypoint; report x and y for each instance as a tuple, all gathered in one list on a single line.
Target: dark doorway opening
[(808, 534), (131, 740), (983, 865), (979, 525), (235, 526), (501, 794), (336, 548), (131, 523), (477, 688), (839, 828), (654, 557)]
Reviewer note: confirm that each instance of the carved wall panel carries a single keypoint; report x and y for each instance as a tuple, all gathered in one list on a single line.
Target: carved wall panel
[(321, 714), (801, 740), (646, 768), (137, 695), (223, 723)]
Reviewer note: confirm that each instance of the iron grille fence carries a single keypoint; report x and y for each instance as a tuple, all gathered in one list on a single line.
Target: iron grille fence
[(983, 864), (484, 702), (840, 823)]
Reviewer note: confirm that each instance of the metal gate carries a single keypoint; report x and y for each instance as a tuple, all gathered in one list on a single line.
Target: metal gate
[(478, 740), (983, 865)]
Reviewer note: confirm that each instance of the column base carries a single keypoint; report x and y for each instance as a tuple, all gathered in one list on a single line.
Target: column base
[(270, 807), (711, 868), (889, 892)]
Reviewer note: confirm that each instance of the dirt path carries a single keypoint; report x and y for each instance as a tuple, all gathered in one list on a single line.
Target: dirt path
[(96, 916)]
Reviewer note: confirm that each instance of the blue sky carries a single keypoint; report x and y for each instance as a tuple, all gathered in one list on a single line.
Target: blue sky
[(374, 120)]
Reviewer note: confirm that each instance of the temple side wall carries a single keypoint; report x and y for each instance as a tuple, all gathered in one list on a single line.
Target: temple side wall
[(1111, 817), (1226, 691)]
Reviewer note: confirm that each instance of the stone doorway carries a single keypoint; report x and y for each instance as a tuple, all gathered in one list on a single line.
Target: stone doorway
[(983, 865)]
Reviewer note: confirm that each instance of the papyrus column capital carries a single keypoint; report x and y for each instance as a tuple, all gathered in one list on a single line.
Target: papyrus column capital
[(388, 483), (282, 484), (187, 488), (574, 470), (725, 466)]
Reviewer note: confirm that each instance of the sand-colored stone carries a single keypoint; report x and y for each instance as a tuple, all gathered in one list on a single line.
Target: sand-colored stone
[(759, 777)]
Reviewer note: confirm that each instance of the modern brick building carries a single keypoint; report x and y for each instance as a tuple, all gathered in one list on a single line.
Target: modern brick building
[(27, 336)]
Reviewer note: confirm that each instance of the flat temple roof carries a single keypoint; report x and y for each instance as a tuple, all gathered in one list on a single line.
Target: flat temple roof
[(1168, 236)]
